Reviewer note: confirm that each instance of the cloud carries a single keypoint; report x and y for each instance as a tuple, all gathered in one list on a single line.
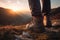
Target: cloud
[(22, 4)]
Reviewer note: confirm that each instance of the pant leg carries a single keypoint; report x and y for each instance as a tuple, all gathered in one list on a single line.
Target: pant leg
[(46, 6), (35, 7), (47, 11)]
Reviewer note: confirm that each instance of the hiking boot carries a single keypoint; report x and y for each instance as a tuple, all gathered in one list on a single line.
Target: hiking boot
[(36, 25)]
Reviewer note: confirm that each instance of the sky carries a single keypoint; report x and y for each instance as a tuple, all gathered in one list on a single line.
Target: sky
[(23, 4)]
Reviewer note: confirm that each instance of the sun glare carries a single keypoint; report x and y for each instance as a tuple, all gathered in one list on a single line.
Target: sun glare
[(14, 8)]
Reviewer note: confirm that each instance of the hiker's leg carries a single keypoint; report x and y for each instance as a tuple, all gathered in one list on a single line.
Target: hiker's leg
[(47, 10), (36, 15)]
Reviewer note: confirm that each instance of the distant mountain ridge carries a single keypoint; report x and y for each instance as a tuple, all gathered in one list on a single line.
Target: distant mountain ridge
[(9, 17), (55, 13)]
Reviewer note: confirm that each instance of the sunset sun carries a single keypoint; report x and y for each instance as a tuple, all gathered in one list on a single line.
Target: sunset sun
[(14, 8)]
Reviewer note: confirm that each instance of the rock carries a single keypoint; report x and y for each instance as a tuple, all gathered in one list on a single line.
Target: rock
[(24, 36)]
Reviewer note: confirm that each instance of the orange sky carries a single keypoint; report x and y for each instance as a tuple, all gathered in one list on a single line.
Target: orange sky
[(23, 4)]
